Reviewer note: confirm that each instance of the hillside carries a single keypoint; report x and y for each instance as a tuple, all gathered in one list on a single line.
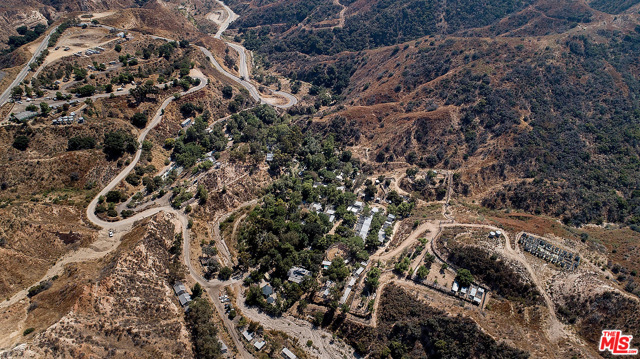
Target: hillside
[(330, 178), (124, 306), (533, 118)]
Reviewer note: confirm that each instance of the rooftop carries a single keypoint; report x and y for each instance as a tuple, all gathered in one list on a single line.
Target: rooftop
[(288, 354), (184, 299), (248, 336), (297, 274), (345, 295), (179, 288)]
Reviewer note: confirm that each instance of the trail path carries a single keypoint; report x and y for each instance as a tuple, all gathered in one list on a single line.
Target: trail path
[(341, 14)]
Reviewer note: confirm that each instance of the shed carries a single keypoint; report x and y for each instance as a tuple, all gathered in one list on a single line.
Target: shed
[(267, 290), (223, 347)]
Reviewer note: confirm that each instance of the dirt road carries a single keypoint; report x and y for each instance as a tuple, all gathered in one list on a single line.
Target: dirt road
[(323, 344)]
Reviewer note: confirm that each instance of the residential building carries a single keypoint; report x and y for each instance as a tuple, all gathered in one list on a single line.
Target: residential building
[(287, 354), (248, 336), (186, 123), (259, 345), (297, 274), (179, 288), (184, 299)]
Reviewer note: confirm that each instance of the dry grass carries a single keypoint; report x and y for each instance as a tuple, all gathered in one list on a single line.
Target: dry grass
[(123, 304)]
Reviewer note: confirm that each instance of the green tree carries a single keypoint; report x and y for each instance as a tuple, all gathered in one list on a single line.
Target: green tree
[(464, 277), (22, 30), (17, 92), (117, 143), (86, 91), (141, 92), (227, 91), (114, 196), (79, 73), (139, 120), (203, 330), (373, 278), (44, 108), (338, 271), (403, 265), (196, 291), (202, 194), (225, 273), (423, 272)]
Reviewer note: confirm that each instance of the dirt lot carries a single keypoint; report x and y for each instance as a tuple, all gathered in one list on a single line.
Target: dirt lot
[(78, 39)]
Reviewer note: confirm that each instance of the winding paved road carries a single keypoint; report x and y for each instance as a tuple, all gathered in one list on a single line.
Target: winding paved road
[(25, 70), (242, 68), (91, 208)]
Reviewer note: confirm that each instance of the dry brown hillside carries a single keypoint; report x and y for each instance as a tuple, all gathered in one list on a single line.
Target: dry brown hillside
[(121, 307)]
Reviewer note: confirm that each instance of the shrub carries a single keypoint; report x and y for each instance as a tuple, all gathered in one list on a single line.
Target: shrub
[(225, 273), (203, 330), (21, 142), (464, 277), (139, 120), (227, 92), (81, 143), (40, 287), (114, 196), (86, 91), (116, 143)]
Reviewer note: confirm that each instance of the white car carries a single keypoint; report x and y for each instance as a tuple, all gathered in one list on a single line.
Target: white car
[(111, 233)]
